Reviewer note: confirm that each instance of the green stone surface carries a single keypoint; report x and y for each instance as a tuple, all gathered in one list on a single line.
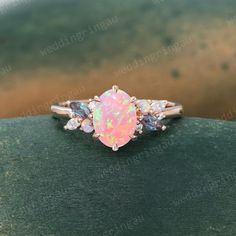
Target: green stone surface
[(182, 182)]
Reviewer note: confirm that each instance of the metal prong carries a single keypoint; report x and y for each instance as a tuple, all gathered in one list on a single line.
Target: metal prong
[(133, 137), (96, 135), (151, 112), (140, 117), (161, 116), (115, 88), (163, 128), (90, 115), (139, 128), (115, 148), (133, 99), (71, 114), (65, 104), (96, 98), (65, 127)]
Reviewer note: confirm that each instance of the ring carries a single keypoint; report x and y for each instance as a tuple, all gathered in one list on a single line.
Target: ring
[(115, 118)]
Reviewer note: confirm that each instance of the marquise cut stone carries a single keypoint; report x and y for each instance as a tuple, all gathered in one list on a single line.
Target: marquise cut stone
[(80, 109), (144, 106), (159, 106), (114, 118), (151, 123), (72, 124)]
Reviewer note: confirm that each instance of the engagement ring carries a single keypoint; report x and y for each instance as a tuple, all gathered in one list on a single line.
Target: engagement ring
[(115, 118)]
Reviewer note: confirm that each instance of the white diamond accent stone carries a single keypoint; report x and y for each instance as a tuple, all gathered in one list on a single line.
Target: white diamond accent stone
[(139, 128), (144, 106), (87, 126), (159, 106), (92, 105), (72, 124)]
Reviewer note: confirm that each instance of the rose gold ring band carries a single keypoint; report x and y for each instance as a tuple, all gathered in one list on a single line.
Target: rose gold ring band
[(115, 118), (172, 110)]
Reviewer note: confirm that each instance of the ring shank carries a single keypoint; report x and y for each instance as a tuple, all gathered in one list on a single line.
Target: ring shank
[(172, 110)]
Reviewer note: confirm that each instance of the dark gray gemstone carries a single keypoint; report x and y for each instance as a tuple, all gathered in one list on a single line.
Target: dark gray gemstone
[(80, 109), (151, 123)]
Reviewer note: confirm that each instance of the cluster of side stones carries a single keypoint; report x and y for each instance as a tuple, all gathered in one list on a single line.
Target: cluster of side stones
[(80, 117), (115, 117), (150, 111), (152, 114)]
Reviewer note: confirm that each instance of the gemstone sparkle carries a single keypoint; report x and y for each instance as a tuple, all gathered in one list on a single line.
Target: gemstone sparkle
[(114, 118), (144, 106), (80, 109), (72, 124), (87, 126), (159, 106), (151, 123)]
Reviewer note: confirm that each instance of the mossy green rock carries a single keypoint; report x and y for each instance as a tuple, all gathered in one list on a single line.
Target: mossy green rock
[(181, 182)]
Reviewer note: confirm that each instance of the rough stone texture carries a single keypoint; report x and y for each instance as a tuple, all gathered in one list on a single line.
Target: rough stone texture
[(54, 182)]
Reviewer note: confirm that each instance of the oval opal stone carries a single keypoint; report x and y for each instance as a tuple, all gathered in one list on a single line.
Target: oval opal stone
[(114, 118)]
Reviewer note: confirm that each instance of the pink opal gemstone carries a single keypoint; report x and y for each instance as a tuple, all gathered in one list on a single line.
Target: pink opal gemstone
[(114, 118)]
